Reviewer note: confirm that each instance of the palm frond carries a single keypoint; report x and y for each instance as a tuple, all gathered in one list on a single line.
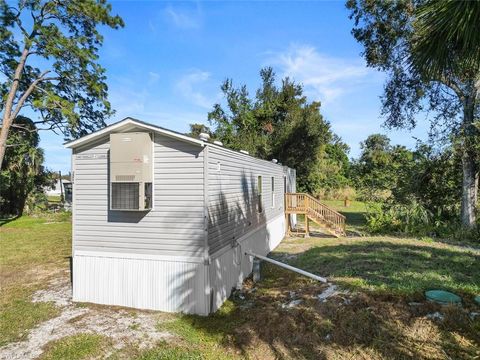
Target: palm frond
[(447, 37)]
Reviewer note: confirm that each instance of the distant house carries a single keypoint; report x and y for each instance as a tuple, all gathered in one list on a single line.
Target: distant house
[(162, 220), (61, 187)]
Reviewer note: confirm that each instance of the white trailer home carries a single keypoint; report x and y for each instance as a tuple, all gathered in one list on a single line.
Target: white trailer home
[(162, 221)]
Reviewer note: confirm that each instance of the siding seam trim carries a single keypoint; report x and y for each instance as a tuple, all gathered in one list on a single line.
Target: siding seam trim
[(114, 255)]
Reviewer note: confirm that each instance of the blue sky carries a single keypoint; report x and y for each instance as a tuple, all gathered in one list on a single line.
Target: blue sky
[(166, 65)]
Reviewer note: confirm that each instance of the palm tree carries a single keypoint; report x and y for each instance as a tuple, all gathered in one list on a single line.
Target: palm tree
[(447, 37)]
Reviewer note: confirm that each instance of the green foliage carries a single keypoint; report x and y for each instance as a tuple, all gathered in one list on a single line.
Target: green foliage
[(197, 129), (392, 265), (54, 47), (19, 314), (432, 179), (410, 219), (280, 123), (420, 189), (380, 167), (414, 219), (37, 201), (165, 352), (429, 50), (448, 22), (23, 175), (388, 32)]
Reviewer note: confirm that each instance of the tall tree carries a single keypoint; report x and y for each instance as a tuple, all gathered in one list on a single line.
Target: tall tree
[(197, 129), (49, 57), (23, 172), (279, 122), (393, 35), (446, 28), (371, 172)]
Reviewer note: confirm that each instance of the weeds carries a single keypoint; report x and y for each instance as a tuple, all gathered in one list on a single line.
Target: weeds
[(75, 347)]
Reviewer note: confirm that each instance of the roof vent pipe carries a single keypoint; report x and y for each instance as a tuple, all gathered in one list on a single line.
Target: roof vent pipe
[(244, 152), (274, 161), (219, 143), (204, 136)]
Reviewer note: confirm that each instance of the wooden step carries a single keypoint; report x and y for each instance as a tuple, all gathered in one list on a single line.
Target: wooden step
[(327, 218)]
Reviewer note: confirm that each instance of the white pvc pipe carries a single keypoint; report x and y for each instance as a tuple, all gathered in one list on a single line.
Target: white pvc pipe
[(288, 267)]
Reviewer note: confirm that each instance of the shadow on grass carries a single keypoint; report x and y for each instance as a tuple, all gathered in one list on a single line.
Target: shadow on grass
[(390, 267), (4, 221), (377, 323), (354, 218)]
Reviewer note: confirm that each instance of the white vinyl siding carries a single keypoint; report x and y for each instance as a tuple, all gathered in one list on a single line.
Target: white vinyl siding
[(176, 224), (272, 191), (233, 195)]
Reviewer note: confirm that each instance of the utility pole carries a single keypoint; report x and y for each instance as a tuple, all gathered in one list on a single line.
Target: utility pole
[(62, 197)]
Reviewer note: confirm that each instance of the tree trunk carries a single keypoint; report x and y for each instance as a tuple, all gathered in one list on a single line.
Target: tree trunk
[(7, 114), (3, 139), (469, 190), (469, 163)]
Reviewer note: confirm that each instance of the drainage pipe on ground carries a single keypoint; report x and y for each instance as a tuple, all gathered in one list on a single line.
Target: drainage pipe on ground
[(288, 267)]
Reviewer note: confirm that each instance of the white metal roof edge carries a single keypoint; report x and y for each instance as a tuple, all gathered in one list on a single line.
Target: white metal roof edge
[(90, 137), (241, 153), (129, 121)]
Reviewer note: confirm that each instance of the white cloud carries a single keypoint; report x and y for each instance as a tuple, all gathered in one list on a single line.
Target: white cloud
[(189, 84), (183, 19), (325, 78)]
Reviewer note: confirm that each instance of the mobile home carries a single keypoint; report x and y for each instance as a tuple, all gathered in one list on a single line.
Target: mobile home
[(162, 220)]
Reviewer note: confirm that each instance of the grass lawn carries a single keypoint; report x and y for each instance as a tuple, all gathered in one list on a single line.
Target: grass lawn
[(33, 250), (382, 316), (354, 213), (75, 347)]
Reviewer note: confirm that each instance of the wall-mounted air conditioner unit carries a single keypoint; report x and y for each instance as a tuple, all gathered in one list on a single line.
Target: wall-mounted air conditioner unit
[(131, 157)]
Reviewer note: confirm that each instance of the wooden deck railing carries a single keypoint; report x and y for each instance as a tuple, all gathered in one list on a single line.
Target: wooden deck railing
[(301, 203)]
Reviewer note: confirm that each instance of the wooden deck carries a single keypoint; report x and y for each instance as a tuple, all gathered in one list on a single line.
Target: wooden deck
[(301, 203)]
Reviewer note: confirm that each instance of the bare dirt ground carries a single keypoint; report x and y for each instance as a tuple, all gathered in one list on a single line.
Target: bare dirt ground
[(122, 326)]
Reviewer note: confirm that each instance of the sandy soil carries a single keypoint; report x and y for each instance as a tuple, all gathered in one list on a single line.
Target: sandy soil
[(123, 326)]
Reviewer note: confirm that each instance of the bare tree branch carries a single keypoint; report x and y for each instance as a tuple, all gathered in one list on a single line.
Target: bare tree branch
[(24, 128), (27, 93)]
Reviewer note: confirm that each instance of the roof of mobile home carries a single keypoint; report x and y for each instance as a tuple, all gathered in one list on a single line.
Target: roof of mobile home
[(132, 124)]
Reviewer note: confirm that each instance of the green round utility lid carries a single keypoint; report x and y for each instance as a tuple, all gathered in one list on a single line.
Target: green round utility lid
[(477, 299), (443, 297)]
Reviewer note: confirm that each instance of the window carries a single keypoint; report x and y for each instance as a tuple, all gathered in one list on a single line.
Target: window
[(259, 194), (148, 195), (125, 196), (131, 196), (273, 192)]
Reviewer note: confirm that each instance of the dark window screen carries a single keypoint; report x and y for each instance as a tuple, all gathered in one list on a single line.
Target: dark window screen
[(148, 195), (125, 196)]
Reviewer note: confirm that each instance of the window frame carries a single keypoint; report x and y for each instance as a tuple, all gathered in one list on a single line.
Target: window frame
[(272, 184), (259, 194)]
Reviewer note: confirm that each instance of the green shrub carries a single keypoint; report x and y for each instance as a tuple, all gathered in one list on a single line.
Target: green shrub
[(342, 193), (411, 219), (416, 220)]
